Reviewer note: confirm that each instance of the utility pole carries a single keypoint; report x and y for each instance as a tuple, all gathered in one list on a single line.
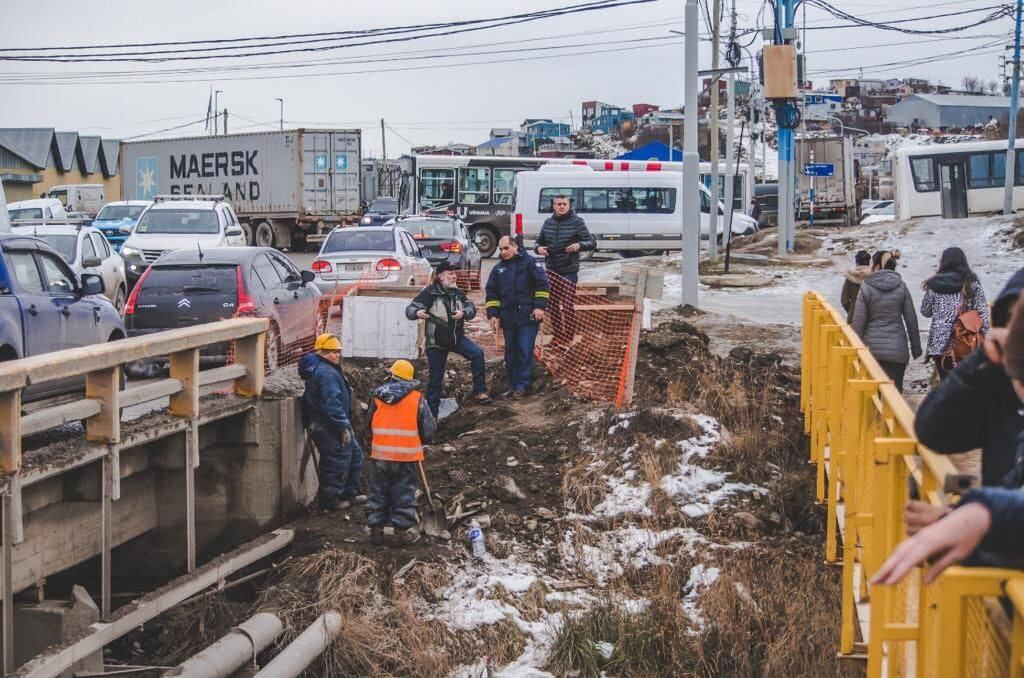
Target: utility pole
[(215, 109), (730, 131), (713, 217), (785, 10), (281, 102), (384, 157), (690, 256), (225, 121), (1012, 127)]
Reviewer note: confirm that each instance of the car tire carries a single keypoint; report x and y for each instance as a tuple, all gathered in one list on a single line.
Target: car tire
[(272, 350), (486, 240), (250, 234), (264, 234), (121, 299)]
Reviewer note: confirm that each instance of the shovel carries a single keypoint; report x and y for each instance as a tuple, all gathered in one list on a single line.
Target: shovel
[(434, 522)]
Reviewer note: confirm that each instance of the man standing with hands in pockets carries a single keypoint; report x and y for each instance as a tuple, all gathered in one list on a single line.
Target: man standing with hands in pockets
[(562, 237)]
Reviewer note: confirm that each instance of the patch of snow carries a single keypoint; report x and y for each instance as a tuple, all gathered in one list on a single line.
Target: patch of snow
[(701, 577), (629, 546), (605, 649)]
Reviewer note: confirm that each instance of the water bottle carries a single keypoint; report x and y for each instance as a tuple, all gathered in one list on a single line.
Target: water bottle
[(476, 540)]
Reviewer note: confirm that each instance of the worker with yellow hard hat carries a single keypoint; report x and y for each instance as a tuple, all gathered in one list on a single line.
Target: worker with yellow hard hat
[(326, 413), (400, 423)]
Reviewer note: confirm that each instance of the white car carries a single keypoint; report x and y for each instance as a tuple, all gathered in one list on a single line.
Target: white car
[(175, 222), (887, 213), (879, 207), (39, 208), (86, 251), (382, 255)]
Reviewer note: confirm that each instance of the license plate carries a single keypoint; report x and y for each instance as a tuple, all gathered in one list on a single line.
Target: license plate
[(354, 267)]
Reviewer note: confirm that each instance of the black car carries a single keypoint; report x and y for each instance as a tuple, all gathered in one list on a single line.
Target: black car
[(380, 211), (443, 238), (765, 207), (189, 287)]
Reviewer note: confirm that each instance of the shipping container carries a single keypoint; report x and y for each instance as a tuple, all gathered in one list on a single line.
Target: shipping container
[(289, 188), (835, 196)]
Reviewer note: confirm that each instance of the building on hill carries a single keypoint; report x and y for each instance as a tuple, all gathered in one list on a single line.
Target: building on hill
[(33, 160), (944, 111)]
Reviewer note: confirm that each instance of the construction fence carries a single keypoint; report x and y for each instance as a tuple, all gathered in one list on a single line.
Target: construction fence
[(588, 339), (969, 621)]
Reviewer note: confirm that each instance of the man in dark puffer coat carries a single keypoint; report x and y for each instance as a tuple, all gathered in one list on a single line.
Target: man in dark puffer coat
[(562, 237)]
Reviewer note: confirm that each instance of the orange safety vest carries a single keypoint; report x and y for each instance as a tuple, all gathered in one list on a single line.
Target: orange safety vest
[(396, 435)]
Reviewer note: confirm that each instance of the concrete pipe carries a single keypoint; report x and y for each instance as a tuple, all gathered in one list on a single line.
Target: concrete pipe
[(310, 644), (234, 650)]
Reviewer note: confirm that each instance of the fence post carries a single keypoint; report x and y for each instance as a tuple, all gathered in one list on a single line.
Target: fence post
[(634, 332), (104, 386), (10, 431), (249, 351)]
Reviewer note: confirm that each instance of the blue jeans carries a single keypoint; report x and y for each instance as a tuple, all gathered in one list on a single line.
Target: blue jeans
[(339, 468), (519, 342), (437, 358), (393, 494)]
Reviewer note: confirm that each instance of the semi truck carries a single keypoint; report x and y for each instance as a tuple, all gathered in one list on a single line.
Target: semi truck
[(289, 188), (827, 172)]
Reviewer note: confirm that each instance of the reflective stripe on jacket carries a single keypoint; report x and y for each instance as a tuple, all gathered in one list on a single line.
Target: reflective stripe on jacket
[(395, 428)]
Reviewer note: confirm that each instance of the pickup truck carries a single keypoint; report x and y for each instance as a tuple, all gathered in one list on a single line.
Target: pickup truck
[(45, 307)]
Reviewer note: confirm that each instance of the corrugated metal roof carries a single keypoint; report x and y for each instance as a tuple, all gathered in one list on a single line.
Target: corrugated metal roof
[(90, 153), (500, 141), (66, 144), (30, 144), (110, 151), (979, 101)]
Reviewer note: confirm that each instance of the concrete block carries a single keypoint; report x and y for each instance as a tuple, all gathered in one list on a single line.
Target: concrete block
[(53, 622)]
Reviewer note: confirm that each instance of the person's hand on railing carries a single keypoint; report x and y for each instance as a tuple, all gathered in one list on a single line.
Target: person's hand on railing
[(952, 539)]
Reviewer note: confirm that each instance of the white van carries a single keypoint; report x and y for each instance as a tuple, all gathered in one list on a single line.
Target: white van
[(36, 208), (86, 198), (629, 212)]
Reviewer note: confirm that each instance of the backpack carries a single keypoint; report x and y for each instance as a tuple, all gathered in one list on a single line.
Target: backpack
[(966, 337)]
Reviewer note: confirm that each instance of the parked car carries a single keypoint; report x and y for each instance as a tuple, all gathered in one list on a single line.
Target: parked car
[(45, 307), (443, 239), (386, 255), (380, 211), (85, 198), (879, 207), (117, 215), (189, 287), (175, 223), (766, 205), (38, 208), (883, 214), (86, 250)]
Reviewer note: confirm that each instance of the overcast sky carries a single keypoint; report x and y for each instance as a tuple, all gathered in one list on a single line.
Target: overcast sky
[(426, 99)]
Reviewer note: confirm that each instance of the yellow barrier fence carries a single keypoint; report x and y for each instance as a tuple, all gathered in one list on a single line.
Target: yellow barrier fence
[(970, 621)]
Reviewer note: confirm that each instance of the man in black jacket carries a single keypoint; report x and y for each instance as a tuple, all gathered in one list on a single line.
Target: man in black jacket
[(562, 237)]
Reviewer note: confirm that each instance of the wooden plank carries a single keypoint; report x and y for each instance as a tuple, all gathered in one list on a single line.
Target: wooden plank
[(191, 462), (249, 353), (220, 375), (106, 529), (145, 393), (8, 583), (56, 661), (58, 415), (79, 361), (10, 431), (634, 338), (184, 366), (105, 387), (11, 379)]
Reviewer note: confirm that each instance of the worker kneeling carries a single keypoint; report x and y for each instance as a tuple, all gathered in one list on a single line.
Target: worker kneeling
[(326, 409), (401, 423)]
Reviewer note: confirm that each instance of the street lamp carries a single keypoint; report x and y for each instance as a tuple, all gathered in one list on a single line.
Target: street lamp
[(281, 101), (216, 110)]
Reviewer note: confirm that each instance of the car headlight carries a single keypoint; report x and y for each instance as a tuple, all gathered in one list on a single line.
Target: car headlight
[(366, 220), (130, 252)]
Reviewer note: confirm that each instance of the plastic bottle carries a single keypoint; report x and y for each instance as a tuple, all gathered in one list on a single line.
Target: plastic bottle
[(476, 540)]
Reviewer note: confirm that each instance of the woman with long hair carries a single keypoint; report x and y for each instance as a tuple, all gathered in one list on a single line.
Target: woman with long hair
[(884, 317), (951, 291)]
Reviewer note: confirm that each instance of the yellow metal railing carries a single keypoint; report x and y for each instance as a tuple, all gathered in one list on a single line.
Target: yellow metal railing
[(970, 621)]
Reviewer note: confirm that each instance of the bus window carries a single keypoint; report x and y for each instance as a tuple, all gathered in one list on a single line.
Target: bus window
[(924, 174), (474, 185), (504, 186), (548, 195), (988, 170), (705, 203), (655, 200), (623, 200), (594, 200), (437, 188)]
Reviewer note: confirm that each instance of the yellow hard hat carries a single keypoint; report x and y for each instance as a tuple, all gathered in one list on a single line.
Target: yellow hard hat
[(403, 369), (327, 342)]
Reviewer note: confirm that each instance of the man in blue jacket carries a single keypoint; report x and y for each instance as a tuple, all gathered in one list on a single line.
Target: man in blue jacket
[(517, 295), (326, 407)]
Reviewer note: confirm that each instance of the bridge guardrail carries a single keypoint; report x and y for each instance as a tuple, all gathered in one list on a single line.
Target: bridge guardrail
[(862, 441)]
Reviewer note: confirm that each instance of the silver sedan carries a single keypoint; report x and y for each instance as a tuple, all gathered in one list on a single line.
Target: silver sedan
[(380, 255)]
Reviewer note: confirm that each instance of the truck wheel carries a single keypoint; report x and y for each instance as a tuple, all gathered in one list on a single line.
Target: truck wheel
[(486, 240), (250, 235), (264, 234)]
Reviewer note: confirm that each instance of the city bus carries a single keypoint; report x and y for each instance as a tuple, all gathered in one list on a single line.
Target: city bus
[(955, 180), (481, 189)]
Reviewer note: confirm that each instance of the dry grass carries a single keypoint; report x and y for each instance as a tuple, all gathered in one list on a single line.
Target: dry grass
[(583, 484)]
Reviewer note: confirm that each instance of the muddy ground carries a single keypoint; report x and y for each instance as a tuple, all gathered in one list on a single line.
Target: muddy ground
[(676, 537)]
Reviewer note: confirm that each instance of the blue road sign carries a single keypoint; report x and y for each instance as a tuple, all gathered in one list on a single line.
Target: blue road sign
[(819, 169)]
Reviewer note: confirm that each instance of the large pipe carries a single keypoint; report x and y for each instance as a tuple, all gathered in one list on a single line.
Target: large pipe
[(234, 650), (310, 644)]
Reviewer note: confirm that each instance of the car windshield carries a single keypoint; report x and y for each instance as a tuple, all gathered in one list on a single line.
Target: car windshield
[(25, 213), (190, 279), (352, 240), (178, 221), (64, 244), (383, 206), (429, 228), (117, 212)]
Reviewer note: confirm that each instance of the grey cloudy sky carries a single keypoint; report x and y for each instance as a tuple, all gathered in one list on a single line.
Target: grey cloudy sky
[(426, 99)]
